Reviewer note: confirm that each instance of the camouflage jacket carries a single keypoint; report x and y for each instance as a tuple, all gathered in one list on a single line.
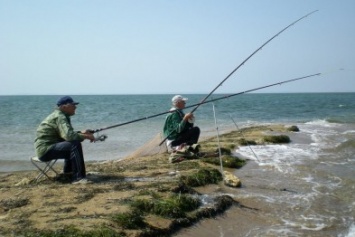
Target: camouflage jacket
[(53, 129)]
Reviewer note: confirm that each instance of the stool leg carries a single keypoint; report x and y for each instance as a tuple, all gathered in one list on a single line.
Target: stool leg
[(51, 166), (43, 171)]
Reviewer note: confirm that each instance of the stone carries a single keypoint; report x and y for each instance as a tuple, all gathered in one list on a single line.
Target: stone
[(231, 180)]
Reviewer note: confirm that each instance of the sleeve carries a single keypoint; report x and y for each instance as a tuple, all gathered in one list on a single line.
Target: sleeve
[(174, 125), (66, 131)]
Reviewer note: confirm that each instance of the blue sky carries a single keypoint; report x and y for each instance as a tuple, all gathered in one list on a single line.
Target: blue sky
[(174, 46)]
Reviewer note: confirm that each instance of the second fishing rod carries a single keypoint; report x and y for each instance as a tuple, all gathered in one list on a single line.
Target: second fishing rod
[(208, 101), (241, 64)]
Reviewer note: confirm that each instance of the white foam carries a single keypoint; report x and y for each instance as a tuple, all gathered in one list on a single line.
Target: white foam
[(316, 143), (322, 136), (308, 179), (283, 157), (314, 227), (351, 232), (322, 122), (307, 223), (279, 157), (280, 231), (331, 163)]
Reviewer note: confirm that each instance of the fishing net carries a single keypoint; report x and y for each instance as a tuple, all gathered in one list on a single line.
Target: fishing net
[(150, 148)]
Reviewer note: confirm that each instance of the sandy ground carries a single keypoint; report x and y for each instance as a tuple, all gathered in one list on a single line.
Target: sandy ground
[(53, 205)]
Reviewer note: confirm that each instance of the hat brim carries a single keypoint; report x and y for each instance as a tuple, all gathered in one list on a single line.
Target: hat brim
[(73, 103), (182, 99)]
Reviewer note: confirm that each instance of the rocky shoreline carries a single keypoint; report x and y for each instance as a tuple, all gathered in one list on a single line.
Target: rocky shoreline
[(137, 196)]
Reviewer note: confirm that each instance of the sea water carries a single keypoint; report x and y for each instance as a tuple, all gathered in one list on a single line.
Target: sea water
[(308, 185)]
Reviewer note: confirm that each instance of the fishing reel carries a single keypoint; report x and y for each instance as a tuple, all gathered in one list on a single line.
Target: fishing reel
[(98, 137)]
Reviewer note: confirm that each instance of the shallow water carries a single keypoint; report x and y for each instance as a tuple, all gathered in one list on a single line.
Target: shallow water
[(301, 189)]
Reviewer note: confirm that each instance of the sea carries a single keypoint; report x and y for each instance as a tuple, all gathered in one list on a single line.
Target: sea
[(306, 187)]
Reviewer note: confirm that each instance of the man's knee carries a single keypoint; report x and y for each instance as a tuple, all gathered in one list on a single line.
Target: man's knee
[(196, 130), (75, 144)]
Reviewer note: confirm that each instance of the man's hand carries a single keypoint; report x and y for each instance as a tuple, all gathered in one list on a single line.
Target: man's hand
[(188, 116), (87, 131), (90, 137), (89, 134)]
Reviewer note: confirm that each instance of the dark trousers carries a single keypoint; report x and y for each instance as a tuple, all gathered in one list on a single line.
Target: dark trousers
[(189, 137), (72, 153)]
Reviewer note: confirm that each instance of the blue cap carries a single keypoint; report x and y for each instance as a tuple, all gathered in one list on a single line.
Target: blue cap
[(66, 100)]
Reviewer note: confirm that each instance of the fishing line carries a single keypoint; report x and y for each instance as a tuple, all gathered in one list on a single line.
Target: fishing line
[(245, 138), (218, 142)]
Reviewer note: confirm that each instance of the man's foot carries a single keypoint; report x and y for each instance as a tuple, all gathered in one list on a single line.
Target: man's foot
[(82, 181), (67, 174), (177, 160), (64, 177), (201, 154)]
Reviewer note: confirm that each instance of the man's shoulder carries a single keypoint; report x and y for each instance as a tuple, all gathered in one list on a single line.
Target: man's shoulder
[(56, 114), (175, 116), (173, 112)]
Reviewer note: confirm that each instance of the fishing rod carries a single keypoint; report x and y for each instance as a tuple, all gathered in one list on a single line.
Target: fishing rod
[(136, 120), (242, 63), (205, 102), (243, 92), (251, 55), (255, 89)]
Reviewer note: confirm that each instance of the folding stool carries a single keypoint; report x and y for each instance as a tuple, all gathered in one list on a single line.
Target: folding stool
[(44, 167)]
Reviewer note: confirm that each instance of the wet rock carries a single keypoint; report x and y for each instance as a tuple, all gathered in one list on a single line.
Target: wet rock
[(231, 180), (293, 129), (183, 188)]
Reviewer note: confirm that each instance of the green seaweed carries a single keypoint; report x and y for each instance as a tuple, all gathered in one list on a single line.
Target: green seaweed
[(277, 139), (202, 177)]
